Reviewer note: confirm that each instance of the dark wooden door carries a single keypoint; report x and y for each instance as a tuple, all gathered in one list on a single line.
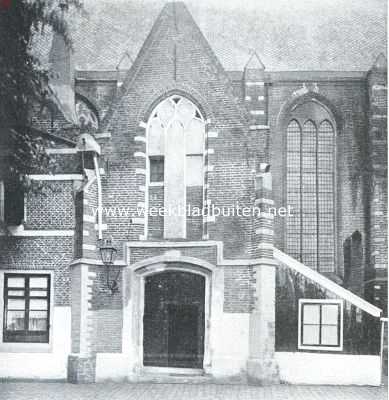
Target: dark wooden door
[(184, 336), (173, 323)]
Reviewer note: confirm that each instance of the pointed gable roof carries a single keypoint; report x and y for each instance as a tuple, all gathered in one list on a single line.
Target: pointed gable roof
[(254, 62), (177, 45)]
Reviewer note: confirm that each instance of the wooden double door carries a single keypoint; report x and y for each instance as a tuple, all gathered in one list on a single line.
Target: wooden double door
[(173, 322)]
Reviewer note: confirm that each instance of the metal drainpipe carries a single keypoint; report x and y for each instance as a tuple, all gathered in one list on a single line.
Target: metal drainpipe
[(99, 198)]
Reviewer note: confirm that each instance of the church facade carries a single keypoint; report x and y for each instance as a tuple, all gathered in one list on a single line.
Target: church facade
[(247, 212)]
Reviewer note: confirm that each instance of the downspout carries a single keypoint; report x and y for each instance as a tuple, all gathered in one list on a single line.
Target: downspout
[(99, 197)]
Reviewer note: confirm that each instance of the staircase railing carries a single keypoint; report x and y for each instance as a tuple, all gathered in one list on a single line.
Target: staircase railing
[(326, 283)]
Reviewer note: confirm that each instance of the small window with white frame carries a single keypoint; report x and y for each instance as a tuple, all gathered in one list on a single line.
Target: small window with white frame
[(320, 324), (26, 308)]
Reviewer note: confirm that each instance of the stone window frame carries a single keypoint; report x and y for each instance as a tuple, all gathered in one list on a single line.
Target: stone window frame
[(317, 123), (198, 116), (321, 302), (27, 347)]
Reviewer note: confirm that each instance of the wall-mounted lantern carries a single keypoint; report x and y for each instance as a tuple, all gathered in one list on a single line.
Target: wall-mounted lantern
[(108, 254)]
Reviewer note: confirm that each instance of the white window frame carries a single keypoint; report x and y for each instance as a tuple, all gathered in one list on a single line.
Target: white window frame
[(21, 347), (337, 302)]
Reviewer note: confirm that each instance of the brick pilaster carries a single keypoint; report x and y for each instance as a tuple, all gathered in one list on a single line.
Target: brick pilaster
[(82, 361), (255, 91), (377, 89), (261, 366)]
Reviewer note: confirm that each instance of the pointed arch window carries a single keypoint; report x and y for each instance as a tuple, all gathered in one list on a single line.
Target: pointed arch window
[(310, 184), (87, 118), (175, 149)]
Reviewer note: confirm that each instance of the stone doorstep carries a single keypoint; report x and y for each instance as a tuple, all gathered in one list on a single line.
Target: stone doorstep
[(170, 378), (183, 375), (179, 378)]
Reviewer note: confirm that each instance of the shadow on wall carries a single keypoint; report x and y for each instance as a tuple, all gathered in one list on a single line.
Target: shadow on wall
[(353, 263)]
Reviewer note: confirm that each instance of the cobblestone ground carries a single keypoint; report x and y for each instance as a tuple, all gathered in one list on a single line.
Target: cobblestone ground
[(116, 391)]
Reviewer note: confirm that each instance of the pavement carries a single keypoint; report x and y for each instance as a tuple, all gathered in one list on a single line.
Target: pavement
[(142, 391)]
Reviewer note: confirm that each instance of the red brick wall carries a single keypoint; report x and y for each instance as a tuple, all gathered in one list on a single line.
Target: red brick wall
[(378, 256), (99, 93), (187, 66), (194, 224), (206, 253), (197, 75), (156, 201), (51, 208), (106, 314), (238, 289), (40, 253), (346, 99)]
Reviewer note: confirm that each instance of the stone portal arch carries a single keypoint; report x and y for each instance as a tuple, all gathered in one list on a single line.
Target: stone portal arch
[(170, 294)]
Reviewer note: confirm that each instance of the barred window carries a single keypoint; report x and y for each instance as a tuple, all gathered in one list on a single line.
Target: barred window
[(26, 308), (310, 187)]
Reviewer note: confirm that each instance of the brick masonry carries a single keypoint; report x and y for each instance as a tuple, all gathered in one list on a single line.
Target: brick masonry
[(238, 107), (53, 208), (39, 253), (378, 188), (238, 289)]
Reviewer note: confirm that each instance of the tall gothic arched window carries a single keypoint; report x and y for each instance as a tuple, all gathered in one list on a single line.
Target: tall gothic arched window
[(175, 150), (310, 183)]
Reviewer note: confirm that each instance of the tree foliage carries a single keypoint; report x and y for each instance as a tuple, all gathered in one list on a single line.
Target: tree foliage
[(24, 82)]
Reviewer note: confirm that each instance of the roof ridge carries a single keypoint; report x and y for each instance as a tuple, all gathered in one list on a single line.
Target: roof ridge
[(169, 10), (215, 59), (136, 66)]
